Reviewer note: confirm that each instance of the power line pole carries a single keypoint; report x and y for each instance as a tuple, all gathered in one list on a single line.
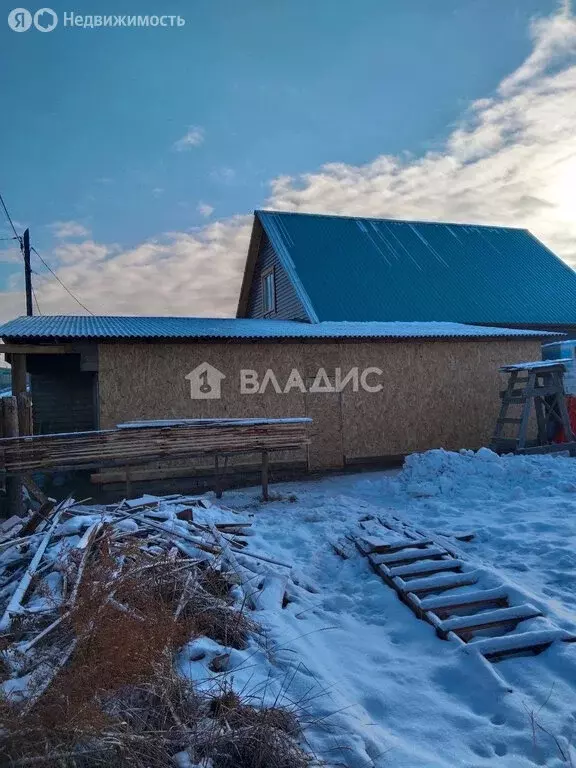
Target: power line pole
[(27, 272)]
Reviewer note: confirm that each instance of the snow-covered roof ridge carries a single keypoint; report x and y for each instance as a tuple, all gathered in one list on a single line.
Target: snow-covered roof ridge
[(70, 327)]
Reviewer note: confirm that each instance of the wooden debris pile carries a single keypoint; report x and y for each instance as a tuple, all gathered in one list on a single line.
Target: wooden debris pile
[(95, 603)]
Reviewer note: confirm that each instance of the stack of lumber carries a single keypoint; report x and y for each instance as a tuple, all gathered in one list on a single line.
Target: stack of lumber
[(138, 443)]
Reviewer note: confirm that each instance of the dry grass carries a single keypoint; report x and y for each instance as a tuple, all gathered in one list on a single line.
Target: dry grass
[(117, 700)]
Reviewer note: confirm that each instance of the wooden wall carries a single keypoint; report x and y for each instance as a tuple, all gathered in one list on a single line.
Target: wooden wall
[(288, 305), (64, 392), (435, 394)]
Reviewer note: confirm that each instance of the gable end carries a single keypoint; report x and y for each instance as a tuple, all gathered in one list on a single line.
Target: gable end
[(263, 260), (287, 305)]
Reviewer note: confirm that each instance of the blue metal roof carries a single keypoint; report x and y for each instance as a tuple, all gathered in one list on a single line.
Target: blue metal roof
[(55, 328), (360, 269)]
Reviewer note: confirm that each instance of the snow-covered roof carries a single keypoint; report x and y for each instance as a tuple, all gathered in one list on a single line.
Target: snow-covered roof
[(534, 365), (69, 327)]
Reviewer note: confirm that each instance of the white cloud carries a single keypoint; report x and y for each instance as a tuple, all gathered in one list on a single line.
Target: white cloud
[(66, 229), (511, 161), (10, 255), (179, 274), (86, 253), (205, 210), (192, 138)]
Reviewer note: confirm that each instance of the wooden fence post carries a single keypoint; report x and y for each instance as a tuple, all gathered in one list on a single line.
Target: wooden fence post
[(18, 363), (25, 423), (265, 495), (13, 482)]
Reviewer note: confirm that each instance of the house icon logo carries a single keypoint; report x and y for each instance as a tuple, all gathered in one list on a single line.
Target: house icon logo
[(205, 382)]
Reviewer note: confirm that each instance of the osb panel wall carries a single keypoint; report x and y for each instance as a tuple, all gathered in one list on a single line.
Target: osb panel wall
[(435, 394), (147, 381)]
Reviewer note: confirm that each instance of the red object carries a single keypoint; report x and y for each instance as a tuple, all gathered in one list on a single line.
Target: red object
[(571, 406)]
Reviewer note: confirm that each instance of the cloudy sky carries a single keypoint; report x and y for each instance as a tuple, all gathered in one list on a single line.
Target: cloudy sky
[(136, 156)]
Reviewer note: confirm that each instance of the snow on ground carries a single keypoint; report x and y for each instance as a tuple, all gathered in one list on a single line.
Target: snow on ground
[(377, 686)]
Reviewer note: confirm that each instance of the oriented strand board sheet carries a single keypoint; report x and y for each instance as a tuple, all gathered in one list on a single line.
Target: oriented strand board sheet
[(434, 393)]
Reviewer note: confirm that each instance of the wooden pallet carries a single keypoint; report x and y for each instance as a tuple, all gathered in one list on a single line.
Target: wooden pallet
[(438, 584)]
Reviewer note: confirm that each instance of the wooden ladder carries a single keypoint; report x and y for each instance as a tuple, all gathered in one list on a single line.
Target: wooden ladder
[(540, 385), (440, 587)]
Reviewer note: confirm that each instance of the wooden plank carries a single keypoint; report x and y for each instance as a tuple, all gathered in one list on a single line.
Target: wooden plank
[(429, 567), (432, 585), (523, 429), (552, 448), (36, 349), (16, 599), (375, 545), (25, 424), (14, 498), (265, 495), (167, 473), (405, 556), (33, 490), (495, 649), (18, 374), (449, 605), (44, 513), (466, 626)]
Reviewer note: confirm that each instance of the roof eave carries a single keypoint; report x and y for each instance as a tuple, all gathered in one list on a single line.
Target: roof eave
[(250, 267)]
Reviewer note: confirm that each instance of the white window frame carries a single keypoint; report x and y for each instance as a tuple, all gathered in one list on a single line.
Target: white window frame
[(268, 301)]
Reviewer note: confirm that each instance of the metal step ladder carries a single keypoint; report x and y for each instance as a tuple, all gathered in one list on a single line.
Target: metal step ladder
[(539, 385)]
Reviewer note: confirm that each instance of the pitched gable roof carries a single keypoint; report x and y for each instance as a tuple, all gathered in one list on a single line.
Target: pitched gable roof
[(360, 269)]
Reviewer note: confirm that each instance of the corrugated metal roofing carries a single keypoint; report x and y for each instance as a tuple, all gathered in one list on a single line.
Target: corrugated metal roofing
[(360, 269), (69, 327)]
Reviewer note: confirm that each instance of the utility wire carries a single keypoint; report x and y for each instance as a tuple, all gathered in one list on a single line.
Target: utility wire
[(9, 219), (36, 300), (49, 268), (17, 237)]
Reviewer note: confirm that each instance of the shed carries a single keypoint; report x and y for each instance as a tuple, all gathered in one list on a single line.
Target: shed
[(375, 390)]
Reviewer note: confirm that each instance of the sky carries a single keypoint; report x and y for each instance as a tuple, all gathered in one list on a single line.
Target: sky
[(137, 155)]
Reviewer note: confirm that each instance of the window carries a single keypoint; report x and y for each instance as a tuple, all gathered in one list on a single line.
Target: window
[(268, 292)]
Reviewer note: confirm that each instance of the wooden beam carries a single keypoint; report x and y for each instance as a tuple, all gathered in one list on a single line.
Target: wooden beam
[(18, 375), (13, 484), (25, 421), (37, 349), (265, 495)]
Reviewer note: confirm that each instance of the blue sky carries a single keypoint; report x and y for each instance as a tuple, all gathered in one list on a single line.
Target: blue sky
[(92, 118)]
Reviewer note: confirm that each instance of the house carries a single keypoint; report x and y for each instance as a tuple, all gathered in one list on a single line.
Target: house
[(389, 334), (375, 390), (314, 268)]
